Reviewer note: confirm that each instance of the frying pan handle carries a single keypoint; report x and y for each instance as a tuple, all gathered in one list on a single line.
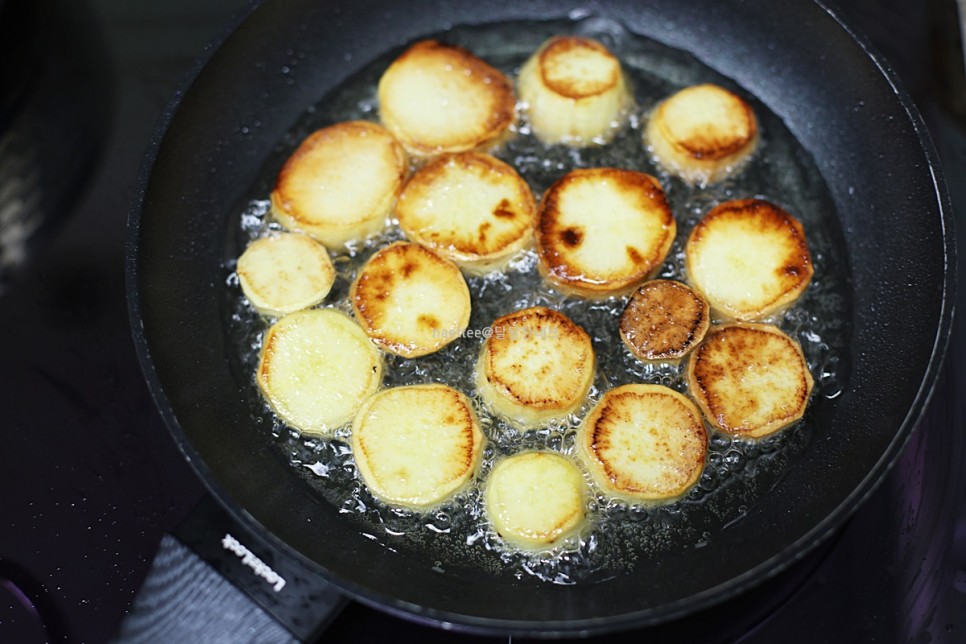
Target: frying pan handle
[(214, 581), (184, 599)]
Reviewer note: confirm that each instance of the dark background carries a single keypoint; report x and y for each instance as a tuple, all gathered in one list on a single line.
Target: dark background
[(90, 479)]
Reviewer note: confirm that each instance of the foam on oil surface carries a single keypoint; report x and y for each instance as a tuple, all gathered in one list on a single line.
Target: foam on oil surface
[(738, 471)]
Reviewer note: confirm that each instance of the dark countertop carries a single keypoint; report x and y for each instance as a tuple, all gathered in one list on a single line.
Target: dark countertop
[(90, 479)]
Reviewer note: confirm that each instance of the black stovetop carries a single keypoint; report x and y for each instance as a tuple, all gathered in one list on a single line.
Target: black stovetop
[(90, 479)]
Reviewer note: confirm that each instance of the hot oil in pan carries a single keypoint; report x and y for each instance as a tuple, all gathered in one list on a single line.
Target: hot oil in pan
[(739, 472)]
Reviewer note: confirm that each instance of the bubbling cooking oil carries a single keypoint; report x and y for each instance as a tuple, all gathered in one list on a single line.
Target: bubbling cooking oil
[(617, 535)]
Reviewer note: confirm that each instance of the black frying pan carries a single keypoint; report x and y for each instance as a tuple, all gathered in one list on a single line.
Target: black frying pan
[(797, 58)]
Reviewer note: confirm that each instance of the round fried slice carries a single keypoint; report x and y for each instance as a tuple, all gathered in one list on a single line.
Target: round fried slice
[(285, 273), (470, 207), (749, 379), (749, 258), (537, 365), (644, 443), (664, 320), (602, 231), (410, 300), (575, 91), (340, 184), (702, 133), (416, 446), (440, 98), (535, 499), (316, 368)]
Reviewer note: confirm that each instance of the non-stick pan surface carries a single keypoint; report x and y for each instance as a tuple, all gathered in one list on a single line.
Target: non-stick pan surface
[(796, 57)]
